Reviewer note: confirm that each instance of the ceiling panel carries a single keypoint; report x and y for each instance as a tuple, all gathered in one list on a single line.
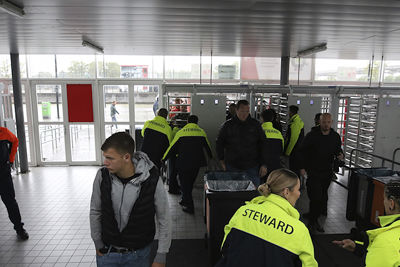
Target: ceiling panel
[(352, 29)]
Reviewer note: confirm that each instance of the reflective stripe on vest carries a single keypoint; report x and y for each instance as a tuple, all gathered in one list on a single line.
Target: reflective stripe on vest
[(190, 129)]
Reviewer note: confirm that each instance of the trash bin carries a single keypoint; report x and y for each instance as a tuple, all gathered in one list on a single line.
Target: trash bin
[(46, 110), (360, 195), (378, 209), (225, 192)]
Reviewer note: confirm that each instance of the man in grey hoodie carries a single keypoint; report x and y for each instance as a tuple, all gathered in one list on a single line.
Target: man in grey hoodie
[(127, 195)]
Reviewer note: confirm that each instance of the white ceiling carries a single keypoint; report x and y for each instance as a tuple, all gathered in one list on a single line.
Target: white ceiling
[(352, 28)]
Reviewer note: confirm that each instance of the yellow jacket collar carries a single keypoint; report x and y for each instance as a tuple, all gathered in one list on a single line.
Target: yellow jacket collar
[(160, 119), (278, 201), (267, 125), (191, 125), (387, 223), (388, 219)]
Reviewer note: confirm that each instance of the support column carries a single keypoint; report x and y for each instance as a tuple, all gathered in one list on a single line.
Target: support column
[(285, 70), (19, 114)]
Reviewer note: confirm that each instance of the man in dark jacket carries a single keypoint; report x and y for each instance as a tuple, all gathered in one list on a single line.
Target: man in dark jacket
[(189, 144), (273, 144), (293, 139), (128, 200), (8, 149), (156, 137), (239, 144), (318, 151)]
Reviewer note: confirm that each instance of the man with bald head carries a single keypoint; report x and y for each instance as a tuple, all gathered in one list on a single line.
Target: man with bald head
[(318, 151)]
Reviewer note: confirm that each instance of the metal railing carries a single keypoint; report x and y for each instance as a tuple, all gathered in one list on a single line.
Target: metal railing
[(394, 156), (374, 156)]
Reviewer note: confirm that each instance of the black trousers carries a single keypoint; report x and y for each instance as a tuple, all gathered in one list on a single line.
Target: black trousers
[(317, 189), (7, 193), (294, 163), (173, 180), (187, 178)]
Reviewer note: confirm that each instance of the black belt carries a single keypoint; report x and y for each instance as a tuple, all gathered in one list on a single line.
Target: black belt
[(105, 250)]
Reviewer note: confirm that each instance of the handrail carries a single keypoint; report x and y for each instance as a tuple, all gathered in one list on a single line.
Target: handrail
[(373, 155), (394, 156)]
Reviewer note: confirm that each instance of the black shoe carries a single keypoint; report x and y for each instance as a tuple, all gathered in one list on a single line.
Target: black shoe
[(174, 192), (188, 210), (22, 234)]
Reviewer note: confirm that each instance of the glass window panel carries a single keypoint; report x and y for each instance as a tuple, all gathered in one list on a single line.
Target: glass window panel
[(305, 69), (82, 142), (111, 129), (260, 68), (145, 98), (182, 67), (76, 66), (52, 143), (5, 66), (392, 72), (28, 148), (10, 91), (49, 102), (116, 103), (226, 68), (131, 67), (341, 70), (41, 66)]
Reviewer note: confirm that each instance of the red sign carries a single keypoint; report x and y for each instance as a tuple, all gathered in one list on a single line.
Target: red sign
[(80, 102)]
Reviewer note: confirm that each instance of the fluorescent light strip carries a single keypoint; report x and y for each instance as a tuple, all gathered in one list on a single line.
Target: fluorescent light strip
[(12, 8), (312, 50), (93, 46)]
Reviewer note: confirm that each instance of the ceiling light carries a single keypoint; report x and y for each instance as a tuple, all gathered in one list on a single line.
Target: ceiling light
[(12, 8), (93, 46), (312, 50)]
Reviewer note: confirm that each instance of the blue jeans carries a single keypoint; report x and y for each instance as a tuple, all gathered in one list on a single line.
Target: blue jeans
[(253, 173), (138, 258)]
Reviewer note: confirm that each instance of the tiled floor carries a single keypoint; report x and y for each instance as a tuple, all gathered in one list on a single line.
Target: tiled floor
[(54, 203)]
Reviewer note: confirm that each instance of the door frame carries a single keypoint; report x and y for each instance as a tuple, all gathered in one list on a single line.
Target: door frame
[(66, 124)]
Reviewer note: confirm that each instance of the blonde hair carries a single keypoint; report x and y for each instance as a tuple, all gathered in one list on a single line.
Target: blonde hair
[(277, 181)]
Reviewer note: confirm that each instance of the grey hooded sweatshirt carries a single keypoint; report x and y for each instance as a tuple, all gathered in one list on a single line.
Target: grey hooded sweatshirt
[(126, 199)]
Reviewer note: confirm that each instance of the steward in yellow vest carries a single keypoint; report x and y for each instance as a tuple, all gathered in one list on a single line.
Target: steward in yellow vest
[(156, 137), (293, 139), (189, 144), (267, 230), (273, 144), (381, 246)]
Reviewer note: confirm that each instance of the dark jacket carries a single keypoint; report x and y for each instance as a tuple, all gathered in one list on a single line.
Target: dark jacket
[(156, 137), (140, 230), (317, 152), (189, 144), (272, 148), (239, 143)]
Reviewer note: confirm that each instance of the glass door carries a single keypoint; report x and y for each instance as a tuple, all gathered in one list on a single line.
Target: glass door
[(116, 108), (7, 94), (59, 140)]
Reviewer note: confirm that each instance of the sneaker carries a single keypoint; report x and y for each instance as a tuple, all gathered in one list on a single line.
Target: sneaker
[(188, 210), (22, 234)]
